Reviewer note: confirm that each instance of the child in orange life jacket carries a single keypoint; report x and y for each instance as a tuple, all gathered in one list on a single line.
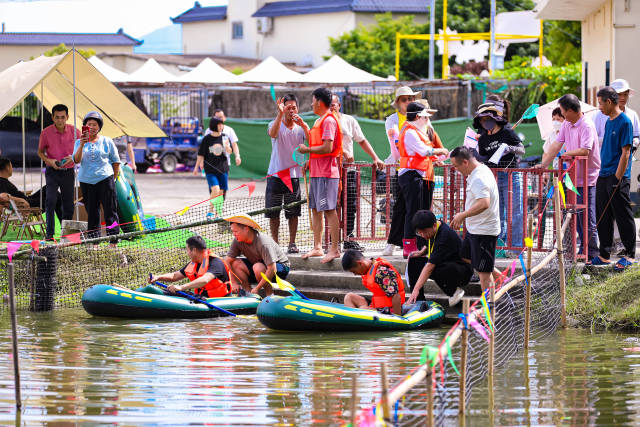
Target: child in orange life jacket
[(378, 276), (208, 275)]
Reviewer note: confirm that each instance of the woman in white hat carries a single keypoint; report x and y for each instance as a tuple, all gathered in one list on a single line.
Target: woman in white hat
[(393, 124)]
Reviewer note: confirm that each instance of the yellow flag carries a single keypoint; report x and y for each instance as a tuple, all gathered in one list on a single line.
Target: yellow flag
[(183, 211), (528, 242), (564, 203), (284, 285)]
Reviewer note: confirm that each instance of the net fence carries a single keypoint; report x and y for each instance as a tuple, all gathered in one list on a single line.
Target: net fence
[(440, 367)]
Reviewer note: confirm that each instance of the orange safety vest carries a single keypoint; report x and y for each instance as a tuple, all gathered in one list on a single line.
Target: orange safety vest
[(315, 137), (416, 161), (214, 288), (380, 299)]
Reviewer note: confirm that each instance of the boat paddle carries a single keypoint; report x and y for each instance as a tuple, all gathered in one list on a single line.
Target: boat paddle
[(284, 286), (194, 298)]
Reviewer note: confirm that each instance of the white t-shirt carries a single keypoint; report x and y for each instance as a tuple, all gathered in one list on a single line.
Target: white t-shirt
[(231, 134), (481, 184), (282, 149), (351, 131), (414, 145), (392, 122)]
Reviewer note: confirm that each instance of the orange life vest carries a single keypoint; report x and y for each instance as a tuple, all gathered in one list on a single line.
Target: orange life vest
[(380, 299), (416, 161), (315, 137), (214, 288)]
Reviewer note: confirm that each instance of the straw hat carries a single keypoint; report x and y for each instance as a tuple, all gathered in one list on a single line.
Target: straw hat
[(492, 109), (244, 220), (405, 91)]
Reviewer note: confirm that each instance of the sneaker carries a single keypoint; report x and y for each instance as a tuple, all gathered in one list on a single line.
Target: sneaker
[(388, 250), (457, 296), (293, 249), (350, 244)]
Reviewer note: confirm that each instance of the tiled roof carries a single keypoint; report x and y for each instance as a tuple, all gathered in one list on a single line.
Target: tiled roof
[(304, 7), (69, 39), (199, 13)]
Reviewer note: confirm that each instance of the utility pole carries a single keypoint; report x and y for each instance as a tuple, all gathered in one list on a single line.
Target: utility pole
[(492, 43), (432, 30)]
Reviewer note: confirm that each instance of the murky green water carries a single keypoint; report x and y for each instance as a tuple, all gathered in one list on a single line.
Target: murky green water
[(235, 372)]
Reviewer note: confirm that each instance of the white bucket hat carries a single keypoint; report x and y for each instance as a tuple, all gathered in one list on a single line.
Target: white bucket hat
[(404, 91), (621, 85)]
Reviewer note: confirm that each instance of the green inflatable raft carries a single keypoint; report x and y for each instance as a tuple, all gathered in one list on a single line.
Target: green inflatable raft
[(149, 302), (296, 314), (129, 203)]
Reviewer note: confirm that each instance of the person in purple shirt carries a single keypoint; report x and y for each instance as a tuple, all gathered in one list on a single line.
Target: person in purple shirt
[(579, 137), (612, 187), (56, 150)]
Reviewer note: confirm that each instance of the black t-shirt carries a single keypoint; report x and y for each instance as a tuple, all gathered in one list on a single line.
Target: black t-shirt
[(213, 163), (7, 187), (446, 246), (489, 144), (216, 267)]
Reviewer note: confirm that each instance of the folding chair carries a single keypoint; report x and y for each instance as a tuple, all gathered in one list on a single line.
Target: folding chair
[(27, 219)]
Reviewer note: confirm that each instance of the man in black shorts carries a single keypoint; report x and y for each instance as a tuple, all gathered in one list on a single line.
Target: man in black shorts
[(287, 132), (481, 214)]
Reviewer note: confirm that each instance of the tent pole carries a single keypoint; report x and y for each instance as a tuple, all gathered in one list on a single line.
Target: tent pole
[(24, 156), (41, 129), (75, 129), (432, 30), (492, 41)]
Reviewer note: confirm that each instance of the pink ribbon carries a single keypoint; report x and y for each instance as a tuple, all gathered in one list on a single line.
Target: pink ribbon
[(12, 247)]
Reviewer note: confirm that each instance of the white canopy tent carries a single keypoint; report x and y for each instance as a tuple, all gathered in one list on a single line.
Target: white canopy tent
[(338, 71), (271, 71), (70, 79), (113, 74), (150, 72), (208, 72)]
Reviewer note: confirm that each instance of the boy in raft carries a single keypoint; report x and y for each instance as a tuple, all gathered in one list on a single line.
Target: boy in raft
[(208, 275), (261, 255), (380, 277)]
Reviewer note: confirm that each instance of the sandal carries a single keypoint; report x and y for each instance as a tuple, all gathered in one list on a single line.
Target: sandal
[(622, 264), (598, 261)]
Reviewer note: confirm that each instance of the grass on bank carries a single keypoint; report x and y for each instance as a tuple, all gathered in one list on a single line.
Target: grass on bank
[(608, 300)]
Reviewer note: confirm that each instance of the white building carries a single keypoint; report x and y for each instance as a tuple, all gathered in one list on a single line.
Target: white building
[(294, 31), (610, 34)]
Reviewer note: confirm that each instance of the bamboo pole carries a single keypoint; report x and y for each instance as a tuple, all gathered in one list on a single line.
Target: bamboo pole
[(559, 234), (463, 361), (429, 379), (385, 393), (491, 349), (354, 399), (14, 335), (527, 299)]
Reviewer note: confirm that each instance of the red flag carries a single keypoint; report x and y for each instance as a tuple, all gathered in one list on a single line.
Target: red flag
[(285, 176), (252, 186), (73, 238), (35, 244)]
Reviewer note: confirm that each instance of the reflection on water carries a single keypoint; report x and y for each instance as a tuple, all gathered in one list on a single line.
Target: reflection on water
[(233, 371)]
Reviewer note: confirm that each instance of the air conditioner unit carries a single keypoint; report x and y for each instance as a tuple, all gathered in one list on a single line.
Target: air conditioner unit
[(265, 24)]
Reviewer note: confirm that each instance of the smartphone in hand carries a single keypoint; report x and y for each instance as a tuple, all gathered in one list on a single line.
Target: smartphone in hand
[(85, 132)]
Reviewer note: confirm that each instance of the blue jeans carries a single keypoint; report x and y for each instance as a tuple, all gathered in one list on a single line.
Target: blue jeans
[(591, 222), (516, 222)]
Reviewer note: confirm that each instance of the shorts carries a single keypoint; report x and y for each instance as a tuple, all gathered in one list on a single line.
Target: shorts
[(481, 250), (381, 310), (278, 193), (219, 179), (323, 194), (282, 270)]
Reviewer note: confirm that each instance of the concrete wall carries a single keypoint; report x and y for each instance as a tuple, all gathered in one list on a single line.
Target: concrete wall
[(205, 37), (304, 39), (627, 37), (250, 45), (597, 48), (10, 54)]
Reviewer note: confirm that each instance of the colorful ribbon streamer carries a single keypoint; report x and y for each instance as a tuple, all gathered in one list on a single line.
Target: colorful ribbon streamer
[(561, 190), (183, 211), (464, 320), (453, 365), (524, 269), (429, 354), (569, 184), (483, 300), (479, 329)]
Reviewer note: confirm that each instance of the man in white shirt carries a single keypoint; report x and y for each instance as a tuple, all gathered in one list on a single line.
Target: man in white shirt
[(287, 132), (351, 131), (482, 214)]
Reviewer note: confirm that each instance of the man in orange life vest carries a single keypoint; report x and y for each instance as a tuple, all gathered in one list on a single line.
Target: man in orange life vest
[(325, 148), (380, 277), (208, 275)]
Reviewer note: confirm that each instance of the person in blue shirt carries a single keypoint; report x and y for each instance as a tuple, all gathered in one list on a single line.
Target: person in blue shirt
[(612, 187), (99, 163)]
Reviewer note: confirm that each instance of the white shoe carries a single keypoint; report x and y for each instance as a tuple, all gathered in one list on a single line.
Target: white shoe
[(388, 250), (457, 296)]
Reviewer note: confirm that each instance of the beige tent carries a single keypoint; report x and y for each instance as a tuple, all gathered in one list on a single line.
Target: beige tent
[(51, 79)]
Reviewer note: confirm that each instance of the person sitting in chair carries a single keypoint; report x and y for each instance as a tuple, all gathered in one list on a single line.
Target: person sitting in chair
[(207, 273), (378, 276)]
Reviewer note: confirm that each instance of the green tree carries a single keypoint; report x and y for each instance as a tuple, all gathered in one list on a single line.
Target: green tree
[(62, 48)]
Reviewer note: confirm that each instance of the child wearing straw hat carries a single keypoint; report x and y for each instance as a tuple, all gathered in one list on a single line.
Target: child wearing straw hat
[(251, 254)]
